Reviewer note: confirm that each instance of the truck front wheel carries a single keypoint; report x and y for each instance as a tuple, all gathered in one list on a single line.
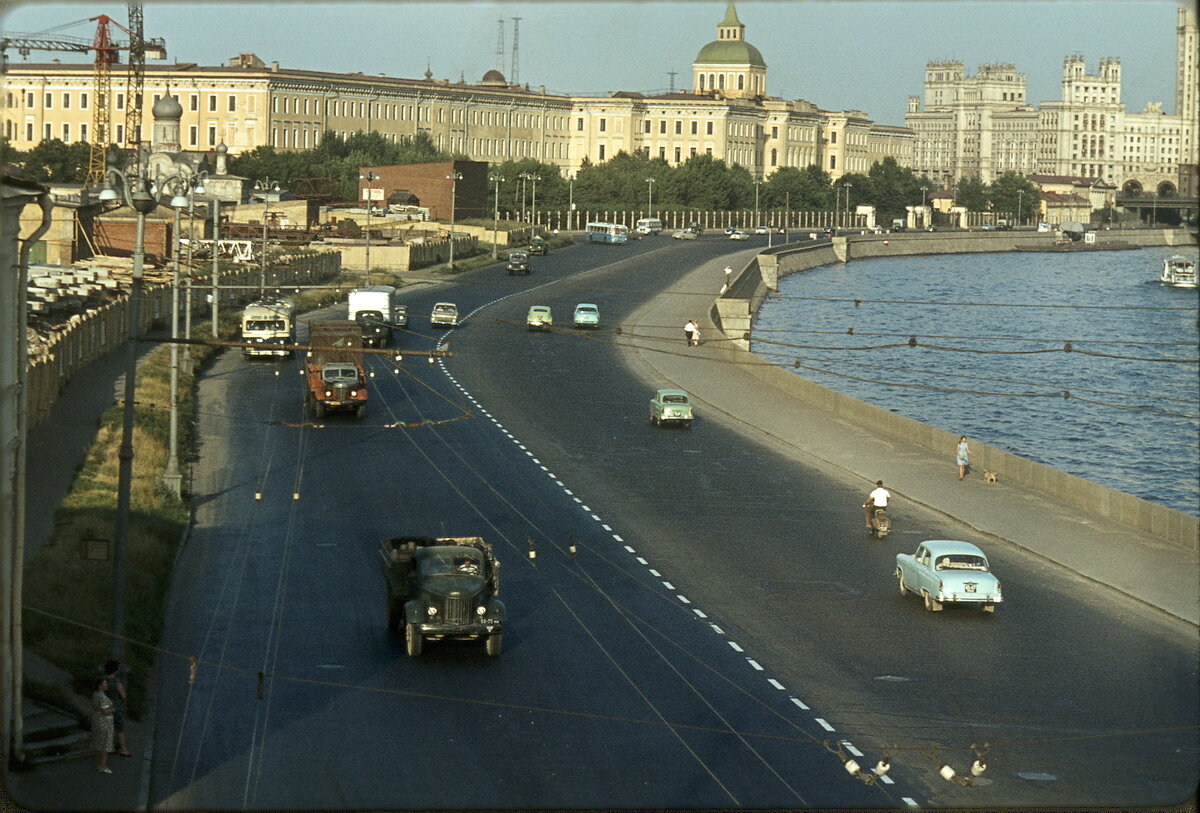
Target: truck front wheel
[(413, 640), (493, 643), (319, 409)]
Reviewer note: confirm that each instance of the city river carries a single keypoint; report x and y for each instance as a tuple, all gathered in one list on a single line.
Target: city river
[(1081, 361)]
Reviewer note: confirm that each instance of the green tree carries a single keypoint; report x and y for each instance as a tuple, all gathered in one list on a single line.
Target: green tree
[(893, 187), (971, 194), (702, 182), (1013, 195), (805, 189), (54, 161)]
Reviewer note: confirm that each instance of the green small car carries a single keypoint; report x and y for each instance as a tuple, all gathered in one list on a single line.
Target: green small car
[(539, 318), (586, 315), (671, 407), (539, 245)]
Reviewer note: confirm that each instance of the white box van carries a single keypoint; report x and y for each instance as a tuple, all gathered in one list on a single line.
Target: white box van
[(648, 225)]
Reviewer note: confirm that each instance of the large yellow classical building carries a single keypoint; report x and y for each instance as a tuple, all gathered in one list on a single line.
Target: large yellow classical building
[(247, 103)]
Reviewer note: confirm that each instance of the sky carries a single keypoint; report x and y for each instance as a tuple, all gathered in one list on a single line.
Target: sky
[(866, 55)]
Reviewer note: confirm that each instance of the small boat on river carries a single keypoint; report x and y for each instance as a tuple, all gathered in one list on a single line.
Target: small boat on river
[(1179, 272)]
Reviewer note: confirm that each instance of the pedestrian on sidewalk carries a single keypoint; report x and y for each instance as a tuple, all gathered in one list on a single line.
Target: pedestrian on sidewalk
[(689, 330), (102, 724), (963, 455), (116, 693)]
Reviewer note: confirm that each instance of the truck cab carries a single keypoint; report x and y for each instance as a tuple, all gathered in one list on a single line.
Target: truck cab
[(375, 332), (267, 326), (443, 588)]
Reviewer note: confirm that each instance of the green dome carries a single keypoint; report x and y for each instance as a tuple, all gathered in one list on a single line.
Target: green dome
[(730, 52)]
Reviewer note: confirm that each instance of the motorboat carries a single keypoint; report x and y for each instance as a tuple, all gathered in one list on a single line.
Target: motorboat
[(1178, 271)]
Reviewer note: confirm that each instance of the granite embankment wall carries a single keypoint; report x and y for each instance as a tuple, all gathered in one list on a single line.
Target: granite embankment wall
[(733, 313)]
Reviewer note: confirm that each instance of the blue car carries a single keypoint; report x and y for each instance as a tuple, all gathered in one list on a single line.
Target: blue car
[(944, 571)]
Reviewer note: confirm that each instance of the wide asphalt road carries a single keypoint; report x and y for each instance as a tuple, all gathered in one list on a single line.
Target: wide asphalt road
[(721, 626)]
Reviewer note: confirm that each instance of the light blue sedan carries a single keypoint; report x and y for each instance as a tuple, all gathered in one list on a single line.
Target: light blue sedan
[(944, 571), (586, 315)]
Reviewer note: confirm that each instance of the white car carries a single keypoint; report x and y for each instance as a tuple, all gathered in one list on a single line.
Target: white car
[(684, 234), (444, 314), (762, 230), (739, 235)]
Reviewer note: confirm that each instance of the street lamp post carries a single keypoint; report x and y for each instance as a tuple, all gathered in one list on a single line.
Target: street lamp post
[(846, 220), (171, 478), (497, 180), (757, 186), (369, 177), (571, 203), (216, 273), (265, 187), (650, 197), (533, 200), (523, 176), (142, 202), (1020, 195), (454, 178)]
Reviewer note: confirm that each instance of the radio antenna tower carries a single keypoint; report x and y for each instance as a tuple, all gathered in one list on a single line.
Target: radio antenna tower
[(672, 75), (516, 61), (500, 46)]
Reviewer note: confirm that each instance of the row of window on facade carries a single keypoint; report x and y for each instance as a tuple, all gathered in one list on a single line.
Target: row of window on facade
[(345, 108), (68, 136), (119, 101)]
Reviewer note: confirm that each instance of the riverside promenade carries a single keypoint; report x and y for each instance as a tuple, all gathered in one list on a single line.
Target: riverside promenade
[(759, 400)]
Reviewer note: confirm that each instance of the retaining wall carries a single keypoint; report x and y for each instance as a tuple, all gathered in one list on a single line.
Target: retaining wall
[(734, 310)]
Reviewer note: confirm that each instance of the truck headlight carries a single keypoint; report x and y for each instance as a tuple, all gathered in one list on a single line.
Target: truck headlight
[(353, 393), (431, 610), (481, 610), (328, 393)]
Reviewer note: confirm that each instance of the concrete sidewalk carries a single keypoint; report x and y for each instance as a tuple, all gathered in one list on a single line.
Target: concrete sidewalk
[(720, 376)]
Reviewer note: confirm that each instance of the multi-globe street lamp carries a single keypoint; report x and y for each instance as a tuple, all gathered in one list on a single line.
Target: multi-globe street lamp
[(454, 178), (497, 180), (138, 194)]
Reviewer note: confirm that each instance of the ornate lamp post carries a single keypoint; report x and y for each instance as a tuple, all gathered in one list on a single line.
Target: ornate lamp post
[(454, 178), (497, 180), (757, 186), (143, 202), (650, 198), (265, 188)]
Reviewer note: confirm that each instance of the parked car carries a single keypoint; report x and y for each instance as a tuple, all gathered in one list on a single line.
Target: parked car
[(945, 571), (539, 318), (518, 262), (444, 314), (739, 235), (671, 407), (586, 315), (684, 234)]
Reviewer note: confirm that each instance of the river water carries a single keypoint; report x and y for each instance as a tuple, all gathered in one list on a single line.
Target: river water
[(1120, 408)]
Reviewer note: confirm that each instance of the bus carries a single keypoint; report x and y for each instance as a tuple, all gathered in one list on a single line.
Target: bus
[(606, 233), (649, 225)]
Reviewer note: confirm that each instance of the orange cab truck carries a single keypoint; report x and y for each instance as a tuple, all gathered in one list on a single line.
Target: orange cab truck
[(334, 370)]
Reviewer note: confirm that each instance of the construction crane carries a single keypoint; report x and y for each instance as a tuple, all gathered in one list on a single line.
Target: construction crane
[(106, 55)]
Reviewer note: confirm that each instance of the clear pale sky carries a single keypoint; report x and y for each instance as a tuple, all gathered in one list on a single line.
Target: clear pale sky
[(865, 55)]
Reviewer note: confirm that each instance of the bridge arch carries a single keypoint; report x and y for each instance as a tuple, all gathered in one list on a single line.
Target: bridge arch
[(1166, 189), (1131, 187)]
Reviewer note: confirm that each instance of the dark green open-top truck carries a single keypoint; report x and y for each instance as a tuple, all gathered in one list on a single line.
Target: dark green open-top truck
[(442, 587)]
